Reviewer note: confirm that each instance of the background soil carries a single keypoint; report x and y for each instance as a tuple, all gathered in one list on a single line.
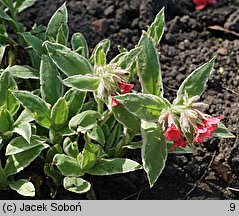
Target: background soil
[(213, 170)]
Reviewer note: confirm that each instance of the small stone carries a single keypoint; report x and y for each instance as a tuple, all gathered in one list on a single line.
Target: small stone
[(222, 51), (109, 10), (101, 24)]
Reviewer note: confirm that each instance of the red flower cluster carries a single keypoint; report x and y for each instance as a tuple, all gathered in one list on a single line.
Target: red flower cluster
[(124, 89), (202, 131), (200, 4), (173, 133), (206, 130)]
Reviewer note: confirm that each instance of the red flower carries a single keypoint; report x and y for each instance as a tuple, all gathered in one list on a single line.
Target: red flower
[(124, 88), (200, 4), (206, 130), (115, 102), (181, 142), (172, 133)]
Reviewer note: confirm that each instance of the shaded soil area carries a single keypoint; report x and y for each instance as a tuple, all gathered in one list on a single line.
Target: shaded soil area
[(212, 171)]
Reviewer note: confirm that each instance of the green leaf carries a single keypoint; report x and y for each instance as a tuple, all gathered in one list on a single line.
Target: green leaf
[(6, 120), (70, 147), (222, 132), (25, 116), (3, 178), (11, 103), (144, 106), (156, 29), (125, 60), (178, 150), (101, 49), (51, 86), (24, 4), (34, 42), (69, 62), (19, 144), (91, 153), (134, 145), (23, 72), (68, 165), (23, 187), (82, 82), (36, 106), (113, 138), (5, 16), (154, 151), (6, 82), (56, 149), (75, 100), (79, 45), (195, 83), (2, 52), (100, 58), (76, 185), (84, 121), (62, 35), (148, 67), (16, 163), (59, 18), (126, 118), (53, 173), (24, 129), (97, 135), (114, 166), (59, 113)]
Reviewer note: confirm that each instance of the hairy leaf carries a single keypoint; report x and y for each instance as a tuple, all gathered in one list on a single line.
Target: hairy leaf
[(50, 81), (24, 72), (36, 106), (144, 106), (16, 163), (154, 151), (83, 82), (68, 165), (148, 67), (79, 44), (23, 187), (195, 83), (114, 166), (76, 185), (69, 62)]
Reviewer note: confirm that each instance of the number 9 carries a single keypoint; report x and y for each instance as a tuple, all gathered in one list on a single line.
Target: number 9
[(232, 206)]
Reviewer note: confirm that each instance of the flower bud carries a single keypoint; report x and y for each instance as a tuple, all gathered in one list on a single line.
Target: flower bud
[(121, 72), (163, 119), (199, 105), (116, 78), (101, 90), (184, 123)]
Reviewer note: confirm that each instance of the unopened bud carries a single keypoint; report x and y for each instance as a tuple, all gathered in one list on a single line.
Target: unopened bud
[(121, 72), (199, 105), (184, 123), (190, 113), (101, 90), (191, 116), (163, 119), (170, 118), (116, 79)]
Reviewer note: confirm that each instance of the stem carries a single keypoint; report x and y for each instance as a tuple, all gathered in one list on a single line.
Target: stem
[(124, 141), (100, 104)]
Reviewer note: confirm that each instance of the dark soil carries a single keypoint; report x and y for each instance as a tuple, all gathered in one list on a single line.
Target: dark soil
[(187, 43)]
